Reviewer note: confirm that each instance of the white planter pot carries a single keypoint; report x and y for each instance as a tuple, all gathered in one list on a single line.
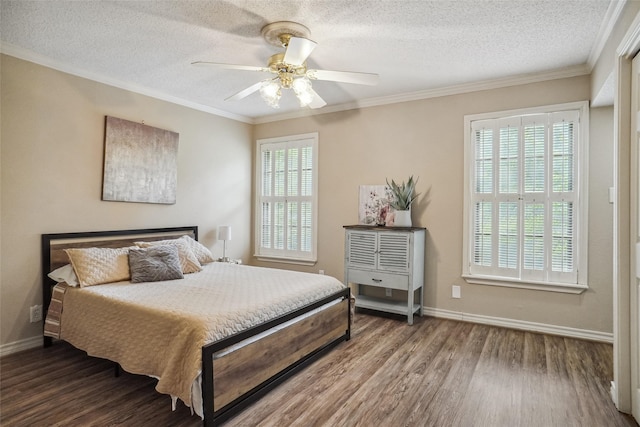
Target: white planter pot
[(402, 219)]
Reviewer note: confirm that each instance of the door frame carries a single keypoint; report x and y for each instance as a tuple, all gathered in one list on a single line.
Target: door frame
[(634, 326), (622, 274)]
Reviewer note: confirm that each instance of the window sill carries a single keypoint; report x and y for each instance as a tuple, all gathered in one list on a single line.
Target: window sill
[(286, 260), (514, 283)]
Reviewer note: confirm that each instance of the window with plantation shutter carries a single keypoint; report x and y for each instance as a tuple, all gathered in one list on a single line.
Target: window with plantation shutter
[(525, 198), (286, 173)]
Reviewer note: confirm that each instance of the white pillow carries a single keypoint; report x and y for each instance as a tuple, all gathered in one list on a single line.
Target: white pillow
[(199, 250), (95, 266), (65, 274)]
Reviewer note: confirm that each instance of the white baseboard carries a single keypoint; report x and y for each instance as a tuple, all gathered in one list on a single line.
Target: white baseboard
[(614, 393), (16, 346), (523, 325), (605, 337)]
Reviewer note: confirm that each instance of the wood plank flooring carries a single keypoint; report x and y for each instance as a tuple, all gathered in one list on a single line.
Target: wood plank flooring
[(435, 373)]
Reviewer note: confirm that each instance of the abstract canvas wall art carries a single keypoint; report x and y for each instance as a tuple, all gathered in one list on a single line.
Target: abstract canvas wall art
[(140, 163)]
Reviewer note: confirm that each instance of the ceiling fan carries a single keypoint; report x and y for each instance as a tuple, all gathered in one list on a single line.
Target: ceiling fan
[(290, 68)]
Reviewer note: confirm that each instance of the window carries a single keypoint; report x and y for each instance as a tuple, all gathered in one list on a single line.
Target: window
[(287, 198), (525, 198)]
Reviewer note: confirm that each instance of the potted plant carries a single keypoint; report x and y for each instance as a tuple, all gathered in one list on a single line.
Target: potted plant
[(403, 196)]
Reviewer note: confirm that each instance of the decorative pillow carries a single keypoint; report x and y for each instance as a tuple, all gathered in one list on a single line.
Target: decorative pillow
[(154, 264), (95, 266), (199, 250), (188, 260), (65, 274)]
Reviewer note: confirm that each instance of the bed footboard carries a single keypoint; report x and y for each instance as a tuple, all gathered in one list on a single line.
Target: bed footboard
[(233, 379)]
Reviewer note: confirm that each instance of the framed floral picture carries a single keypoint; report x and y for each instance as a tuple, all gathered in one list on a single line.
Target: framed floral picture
[(374, 206)]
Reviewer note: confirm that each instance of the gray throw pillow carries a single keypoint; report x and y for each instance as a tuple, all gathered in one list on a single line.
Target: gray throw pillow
[(154, 264)]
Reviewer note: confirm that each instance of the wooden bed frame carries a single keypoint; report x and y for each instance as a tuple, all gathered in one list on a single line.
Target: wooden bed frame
[(231, 380)]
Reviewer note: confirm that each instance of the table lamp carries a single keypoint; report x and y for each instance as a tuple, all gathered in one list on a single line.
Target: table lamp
[(224, 234)]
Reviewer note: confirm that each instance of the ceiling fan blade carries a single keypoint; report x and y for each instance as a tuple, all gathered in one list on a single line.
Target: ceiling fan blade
[(229, 66), (344, 77), (298, 50), (316, 102), (245, 92)]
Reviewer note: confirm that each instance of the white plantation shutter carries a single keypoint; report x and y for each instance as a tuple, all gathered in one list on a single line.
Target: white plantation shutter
[(535, 180), (483, 229), (523, 197), (483, 185), (287, 175), (506, 202), (563, 196)]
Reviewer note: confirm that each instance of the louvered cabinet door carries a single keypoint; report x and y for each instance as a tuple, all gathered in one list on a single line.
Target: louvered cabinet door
[(393, 251), (390, 259), (361, 249)]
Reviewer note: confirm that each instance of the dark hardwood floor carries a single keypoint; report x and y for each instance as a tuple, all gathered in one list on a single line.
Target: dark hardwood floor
[(434, 373)]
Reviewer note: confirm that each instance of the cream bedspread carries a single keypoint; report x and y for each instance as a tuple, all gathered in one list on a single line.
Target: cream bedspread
[(158, 328)]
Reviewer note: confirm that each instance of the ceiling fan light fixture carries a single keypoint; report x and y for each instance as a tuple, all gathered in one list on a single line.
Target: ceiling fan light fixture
[(303, 90), (270, 92), (290, 68)]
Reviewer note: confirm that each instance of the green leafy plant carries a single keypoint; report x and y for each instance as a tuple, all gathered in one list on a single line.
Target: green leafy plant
[(403, 194)]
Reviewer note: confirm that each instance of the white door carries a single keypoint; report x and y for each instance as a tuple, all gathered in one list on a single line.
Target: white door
[(635, 250)]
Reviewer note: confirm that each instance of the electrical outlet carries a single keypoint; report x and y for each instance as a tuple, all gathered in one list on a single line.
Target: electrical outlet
[(35, 313), (320, 271), (455, 291), (388, 292)]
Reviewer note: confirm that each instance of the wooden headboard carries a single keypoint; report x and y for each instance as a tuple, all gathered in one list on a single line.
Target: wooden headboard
[(53, 246)]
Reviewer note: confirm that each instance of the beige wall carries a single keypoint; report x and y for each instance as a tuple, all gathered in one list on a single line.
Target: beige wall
[(51, 169), (425, 138)]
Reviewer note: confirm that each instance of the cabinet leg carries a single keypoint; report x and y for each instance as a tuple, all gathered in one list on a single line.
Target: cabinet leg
[(410, 306)]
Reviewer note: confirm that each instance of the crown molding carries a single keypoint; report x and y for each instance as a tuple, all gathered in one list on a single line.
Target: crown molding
[(574, 71), (522, 79), (27, 55), (606, 28), (630, 43)]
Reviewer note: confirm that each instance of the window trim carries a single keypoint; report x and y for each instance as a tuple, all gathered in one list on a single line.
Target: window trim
[(270, 256), (582, 178)]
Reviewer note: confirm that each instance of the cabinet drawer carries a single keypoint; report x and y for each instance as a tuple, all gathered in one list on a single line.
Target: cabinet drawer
[(376, 278)]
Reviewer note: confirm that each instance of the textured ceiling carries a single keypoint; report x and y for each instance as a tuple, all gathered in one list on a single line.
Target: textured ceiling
[(417, 47)]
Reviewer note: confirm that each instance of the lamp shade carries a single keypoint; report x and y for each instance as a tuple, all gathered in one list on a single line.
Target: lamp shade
[(224, 232)]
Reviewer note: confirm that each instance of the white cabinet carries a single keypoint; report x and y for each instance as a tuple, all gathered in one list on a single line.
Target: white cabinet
[(389, 258)]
